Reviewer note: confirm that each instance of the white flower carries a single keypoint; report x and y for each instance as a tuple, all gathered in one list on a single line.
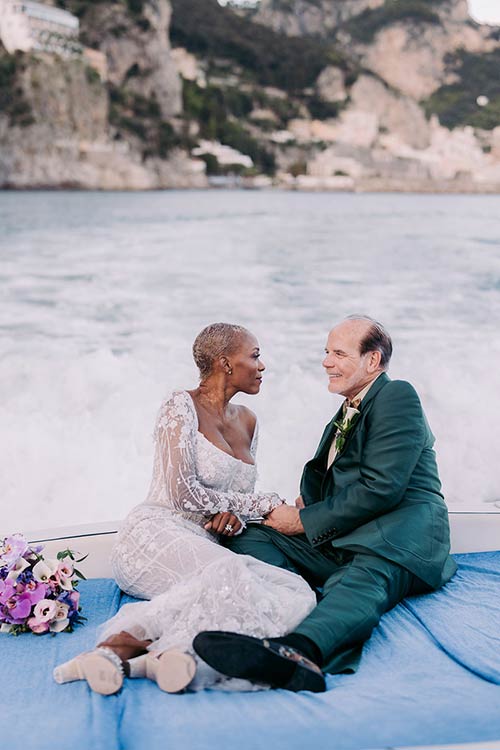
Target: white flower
[(45, 610), (350, 412), (58, 625), (18, 568), (44, 569), (5, 627), (65, 569), (62, 611), (65, 583)]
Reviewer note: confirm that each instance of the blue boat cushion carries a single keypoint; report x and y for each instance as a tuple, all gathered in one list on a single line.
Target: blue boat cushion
[(430, 674)]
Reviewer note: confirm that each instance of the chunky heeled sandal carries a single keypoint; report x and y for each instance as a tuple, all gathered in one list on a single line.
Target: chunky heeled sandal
[(102, 669), (171, 670)]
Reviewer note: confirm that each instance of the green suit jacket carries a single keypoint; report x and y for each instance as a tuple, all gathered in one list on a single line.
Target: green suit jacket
[(382, 493)]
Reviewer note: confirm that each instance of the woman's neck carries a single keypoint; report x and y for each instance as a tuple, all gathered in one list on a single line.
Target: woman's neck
[(214, 396)]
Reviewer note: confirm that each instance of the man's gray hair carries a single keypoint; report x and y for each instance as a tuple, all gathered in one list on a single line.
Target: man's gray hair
[(214, 341), (376, 339)]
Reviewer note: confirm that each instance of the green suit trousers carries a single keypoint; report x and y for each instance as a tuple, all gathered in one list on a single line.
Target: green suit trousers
[(357, 588)]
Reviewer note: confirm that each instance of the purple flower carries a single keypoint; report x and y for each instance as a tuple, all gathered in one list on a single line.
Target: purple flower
[(13, 548), (25, 577), (71, 598), (4, 572), (35, 591), (34, 549), (37, 626), (17, 609), (7, 590)]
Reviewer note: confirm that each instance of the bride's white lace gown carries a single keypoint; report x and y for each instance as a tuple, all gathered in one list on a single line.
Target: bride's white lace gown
[(163, 553)]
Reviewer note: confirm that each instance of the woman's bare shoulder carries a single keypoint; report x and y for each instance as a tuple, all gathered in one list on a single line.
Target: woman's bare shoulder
[(247, 417)]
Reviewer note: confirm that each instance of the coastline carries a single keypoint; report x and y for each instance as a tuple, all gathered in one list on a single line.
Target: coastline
[(248, 184)]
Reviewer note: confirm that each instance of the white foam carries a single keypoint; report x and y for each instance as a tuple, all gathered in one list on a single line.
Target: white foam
[(97, 325)]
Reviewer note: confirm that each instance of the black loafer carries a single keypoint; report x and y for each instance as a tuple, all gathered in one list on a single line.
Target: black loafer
[(259, 660)]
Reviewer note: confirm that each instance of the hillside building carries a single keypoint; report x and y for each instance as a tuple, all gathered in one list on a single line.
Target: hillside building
[(26, 26)]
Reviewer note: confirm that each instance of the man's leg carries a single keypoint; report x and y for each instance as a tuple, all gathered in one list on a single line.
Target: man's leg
[(354, 599), (356, 594), (293, 553)]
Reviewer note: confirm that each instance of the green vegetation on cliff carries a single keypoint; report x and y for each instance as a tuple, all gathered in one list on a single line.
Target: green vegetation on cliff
[(213, 32), (217, 112), (364, 27), (456, 104), (83, 8), (131, 113), (13, 102)]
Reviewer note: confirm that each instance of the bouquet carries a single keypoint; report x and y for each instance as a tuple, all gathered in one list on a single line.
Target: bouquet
[(37, 595)]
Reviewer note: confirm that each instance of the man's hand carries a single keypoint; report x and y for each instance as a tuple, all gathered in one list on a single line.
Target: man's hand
[(218, 524), (299, 503), (286, 519)]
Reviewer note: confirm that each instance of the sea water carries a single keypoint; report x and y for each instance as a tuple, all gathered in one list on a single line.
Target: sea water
[(102, 295)]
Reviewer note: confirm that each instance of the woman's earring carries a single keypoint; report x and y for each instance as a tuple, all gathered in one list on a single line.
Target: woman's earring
[(230, 371)]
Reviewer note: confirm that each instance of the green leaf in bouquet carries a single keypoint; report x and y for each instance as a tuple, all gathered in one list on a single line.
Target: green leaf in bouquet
[(71, 553)]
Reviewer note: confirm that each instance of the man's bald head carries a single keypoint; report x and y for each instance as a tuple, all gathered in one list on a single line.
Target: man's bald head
[(373, 337), (357, 350)]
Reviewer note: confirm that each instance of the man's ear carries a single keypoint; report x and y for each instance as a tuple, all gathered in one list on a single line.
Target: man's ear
[(374, 361)]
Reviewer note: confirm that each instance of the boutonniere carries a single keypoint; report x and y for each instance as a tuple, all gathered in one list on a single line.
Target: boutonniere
[(345, 426)]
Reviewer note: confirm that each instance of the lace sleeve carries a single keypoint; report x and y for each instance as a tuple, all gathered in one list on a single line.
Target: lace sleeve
[(175, 436)]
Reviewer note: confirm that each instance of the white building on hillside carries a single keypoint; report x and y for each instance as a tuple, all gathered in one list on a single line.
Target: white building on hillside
[(26, 25), (243, 4)]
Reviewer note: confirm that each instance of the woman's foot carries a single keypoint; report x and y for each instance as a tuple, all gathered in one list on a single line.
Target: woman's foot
[(102, 669), (171, 670)]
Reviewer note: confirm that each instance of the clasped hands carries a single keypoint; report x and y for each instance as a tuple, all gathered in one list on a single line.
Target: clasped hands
[(284, 518)]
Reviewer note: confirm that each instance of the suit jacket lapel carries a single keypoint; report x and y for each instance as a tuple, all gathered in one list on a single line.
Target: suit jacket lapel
[(325, 442), (330, 429), (378, 384)]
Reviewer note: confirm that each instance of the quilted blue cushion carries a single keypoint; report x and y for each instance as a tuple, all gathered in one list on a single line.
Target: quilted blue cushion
[(430, 674)]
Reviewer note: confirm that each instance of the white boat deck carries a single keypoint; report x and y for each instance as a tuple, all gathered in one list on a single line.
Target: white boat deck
[(470, 532)]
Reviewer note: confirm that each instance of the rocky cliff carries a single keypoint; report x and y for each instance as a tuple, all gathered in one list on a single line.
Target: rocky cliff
[(303, 17), (78, 130), (309, 94)]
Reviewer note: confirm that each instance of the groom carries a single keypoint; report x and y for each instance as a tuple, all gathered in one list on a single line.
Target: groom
[(369, 528)]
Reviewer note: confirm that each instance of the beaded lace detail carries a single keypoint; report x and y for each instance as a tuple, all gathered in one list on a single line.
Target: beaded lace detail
[(192, 476), (164, 554)]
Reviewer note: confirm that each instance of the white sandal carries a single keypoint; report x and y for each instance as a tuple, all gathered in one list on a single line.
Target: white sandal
[(171, 670), (101, 668)]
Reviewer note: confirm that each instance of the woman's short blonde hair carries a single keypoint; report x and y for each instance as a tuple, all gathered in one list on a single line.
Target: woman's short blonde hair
[(213, 342)]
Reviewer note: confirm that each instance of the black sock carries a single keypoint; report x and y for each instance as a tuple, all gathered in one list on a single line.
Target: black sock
[(302, 643)]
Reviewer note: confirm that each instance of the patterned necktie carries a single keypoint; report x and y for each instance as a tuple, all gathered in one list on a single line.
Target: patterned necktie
[(354, 404)]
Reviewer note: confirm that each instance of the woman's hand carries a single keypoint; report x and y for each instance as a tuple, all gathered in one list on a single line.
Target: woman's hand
[(299, 503), (226, 524)]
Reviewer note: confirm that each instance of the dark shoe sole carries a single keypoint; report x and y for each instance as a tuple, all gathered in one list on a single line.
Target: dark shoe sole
[(249, 658)]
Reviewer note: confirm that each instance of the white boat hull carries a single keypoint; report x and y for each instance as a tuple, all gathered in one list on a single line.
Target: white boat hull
[(470, 532)]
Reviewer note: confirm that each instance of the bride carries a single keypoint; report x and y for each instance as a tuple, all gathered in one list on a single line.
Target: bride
[(203, 486)]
